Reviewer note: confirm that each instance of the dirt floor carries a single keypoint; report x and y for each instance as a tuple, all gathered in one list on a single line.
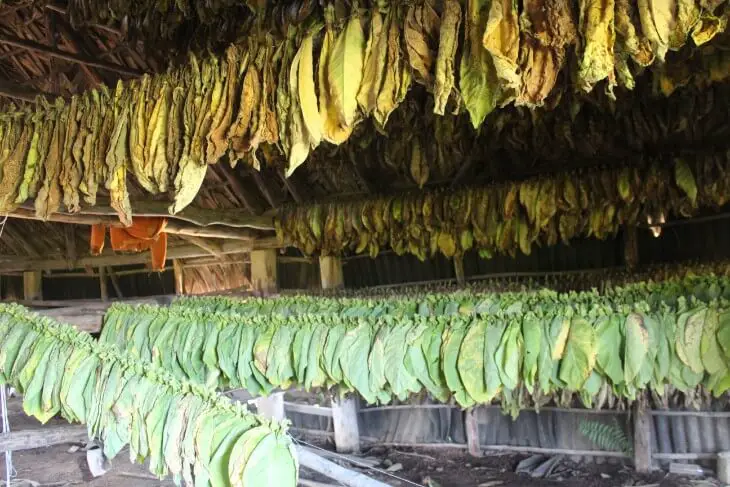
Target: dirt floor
[(66, 465)]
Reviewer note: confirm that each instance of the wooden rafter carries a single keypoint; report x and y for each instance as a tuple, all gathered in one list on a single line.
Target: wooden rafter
[(197, 216), (74, 58)]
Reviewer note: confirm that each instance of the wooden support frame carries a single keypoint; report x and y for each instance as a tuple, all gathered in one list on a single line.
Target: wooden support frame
[(177, 267), (459, 270), (330, 272)]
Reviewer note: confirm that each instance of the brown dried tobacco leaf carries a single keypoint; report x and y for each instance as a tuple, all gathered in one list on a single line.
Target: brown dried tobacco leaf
[(49, 195), (596, 22), (502, 40), (548, 28), (117, 157), (448, 41)]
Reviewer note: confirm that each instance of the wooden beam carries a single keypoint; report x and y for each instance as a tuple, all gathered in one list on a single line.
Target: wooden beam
[(226, 172), (181, 252), (17, 92), (631, 247), (173, 227), (43, 437), (310, 459), (32, 285), (264, 271), (61, 10), (177, 266), (67, 56), (212, 248)]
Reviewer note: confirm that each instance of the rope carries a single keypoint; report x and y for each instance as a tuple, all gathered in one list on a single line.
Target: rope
[(355, 462)]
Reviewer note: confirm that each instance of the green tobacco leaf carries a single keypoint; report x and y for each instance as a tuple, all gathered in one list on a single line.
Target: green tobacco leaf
[(636, 346), (580, 354)]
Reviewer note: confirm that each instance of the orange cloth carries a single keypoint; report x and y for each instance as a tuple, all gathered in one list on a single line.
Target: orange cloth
[(144, 233)]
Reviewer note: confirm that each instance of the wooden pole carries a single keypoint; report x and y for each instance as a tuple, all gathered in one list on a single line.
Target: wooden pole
[(330, 271), (471, 426), (631, 247), (177, 267), (32, 285), (310, 459), (264, 271), (346, 426), (103, 285), (459, 270), (115, 283), (344, 410), (642, 435)]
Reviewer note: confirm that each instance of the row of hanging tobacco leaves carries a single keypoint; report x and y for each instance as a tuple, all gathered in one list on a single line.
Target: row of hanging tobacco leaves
[(521, 350), (183, 429), (318, 80), (507, 217)]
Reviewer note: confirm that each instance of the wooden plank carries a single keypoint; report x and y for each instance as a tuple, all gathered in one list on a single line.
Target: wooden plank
[(642, 436), (345, 423), (308, 409), (32, 285), (179, 276), (264, 271), (310, 459), (471, 425), (42, 437), (330, 271)]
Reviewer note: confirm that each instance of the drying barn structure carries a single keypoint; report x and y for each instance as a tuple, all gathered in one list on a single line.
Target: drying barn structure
[(496, 225)]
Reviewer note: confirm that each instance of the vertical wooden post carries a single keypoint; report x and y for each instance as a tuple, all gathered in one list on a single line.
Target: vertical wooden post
[(471, 425), (459, 270), (642, 435), (330, 272), (103, 285), (179, 272), (344, 421), (344, 410), (631, 247), (32, 285), (271, 406), (263, 271)]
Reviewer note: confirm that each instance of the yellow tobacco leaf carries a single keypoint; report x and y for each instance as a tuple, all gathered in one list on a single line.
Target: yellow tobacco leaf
[(658, 18), (688, 15), (708, 27), (298, 134), (344, 69), (332, 130), (596, 21), (630, 40), (502, 40), (307, 95), (448, 41), (374, 67), (387, 97)]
